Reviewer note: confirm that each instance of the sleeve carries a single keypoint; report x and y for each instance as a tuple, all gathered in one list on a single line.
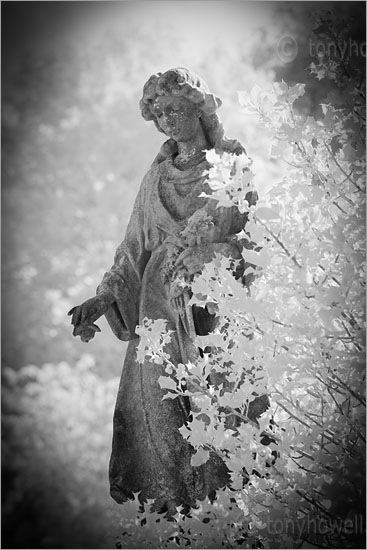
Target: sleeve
[(124, 278)]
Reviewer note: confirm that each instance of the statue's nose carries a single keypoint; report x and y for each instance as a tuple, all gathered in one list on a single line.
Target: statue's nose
[(164, 119), (168, 122), (167, 117)]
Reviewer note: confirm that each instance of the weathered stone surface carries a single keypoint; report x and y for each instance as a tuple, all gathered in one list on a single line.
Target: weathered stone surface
[(161, 247)]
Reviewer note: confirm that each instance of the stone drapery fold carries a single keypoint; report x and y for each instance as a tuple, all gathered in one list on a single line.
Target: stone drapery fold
[(148, 451)]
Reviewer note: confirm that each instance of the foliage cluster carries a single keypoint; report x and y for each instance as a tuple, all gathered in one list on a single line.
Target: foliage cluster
[(297, 334)]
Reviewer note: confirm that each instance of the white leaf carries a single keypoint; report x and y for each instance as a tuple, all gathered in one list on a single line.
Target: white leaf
[(200, 457), (212, 156), (261, 258), (167, 382)]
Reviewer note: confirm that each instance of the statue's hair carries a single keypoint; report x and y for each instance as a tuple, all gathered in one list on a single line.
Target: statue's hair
[(182, 82)]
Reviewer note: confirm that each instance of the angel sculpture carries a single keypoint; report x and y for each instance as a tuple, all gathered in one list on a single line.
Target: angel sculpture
[(173, 231)]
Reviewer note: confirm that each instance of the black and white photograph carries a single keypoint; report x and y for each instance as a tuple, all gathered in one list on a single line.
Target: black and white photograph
[(183, 274)]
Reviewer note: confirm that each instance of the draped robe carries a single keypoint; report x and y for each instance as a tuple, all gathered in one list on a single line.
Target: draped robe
[(148, 452)]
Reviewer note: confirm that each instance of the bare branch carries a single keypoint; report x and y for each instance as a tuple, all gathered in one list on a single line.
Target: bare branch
[(341, 169), (281, 244)]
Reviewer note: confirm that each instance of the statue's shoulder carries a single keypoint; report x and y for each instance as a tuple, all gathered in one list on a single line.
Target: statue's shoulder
[(167, 149)]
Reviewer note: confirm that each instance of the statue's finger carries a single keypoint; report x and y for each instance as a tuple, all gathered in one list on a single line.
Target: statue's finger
[(183, 255), (188, 261), (87, 337), (77, 330), (94, 327), (85, 315), (195, 268), (181, 272), (76, 317), (192, 266), (75, 312), (75, 320)]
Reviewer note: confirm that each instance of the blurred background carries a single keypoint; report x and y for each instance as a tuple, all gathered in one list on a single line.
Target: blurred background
[(74, 151)]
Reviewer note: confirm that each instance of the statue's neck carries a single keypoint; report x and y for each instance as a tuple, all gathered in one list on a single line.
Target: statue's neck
[(191, 149)]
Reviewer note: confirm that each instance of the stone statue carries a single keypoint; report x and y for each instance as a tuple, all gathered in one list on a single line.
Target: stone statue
[(161, 248)]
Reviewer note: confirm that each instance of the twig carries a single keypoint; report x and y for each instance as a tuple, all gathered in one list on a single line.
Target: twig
[(351, 337), (292, 257), (292, 415), (340, 168), (327, 275), (352, 392), (315, 503)]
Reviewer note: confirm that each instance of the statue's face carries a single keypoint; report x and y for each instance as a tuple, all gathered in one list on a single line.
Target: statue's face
[(177, 116)]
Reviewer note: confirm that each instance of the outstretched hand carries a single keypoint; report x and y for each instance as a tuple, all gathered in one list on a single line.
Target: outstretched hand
[(85, 315), (86, 332)]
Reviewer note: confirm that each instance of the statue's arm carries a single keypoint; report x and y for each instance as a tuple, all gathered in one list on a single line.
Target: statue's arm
[(123, 280), (117, 295)]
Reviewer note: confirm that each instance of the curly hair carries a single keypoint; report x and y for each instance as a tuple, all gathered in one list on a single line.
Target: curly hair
[(182, 82)]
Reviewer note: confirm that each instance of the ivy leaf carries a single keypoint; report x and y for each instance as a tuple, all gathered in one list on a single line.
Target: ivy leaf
[(261, 258), (200, 457), (167, 382), (185, 432), (169, 395)]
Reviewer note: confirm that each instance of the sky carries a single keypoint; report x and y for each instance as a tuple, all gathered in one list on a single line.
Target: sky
[(44, 25)]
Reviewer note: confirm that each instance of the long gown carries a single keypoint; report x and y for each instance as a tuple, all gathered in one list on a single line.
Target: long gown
[(148, 452)]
